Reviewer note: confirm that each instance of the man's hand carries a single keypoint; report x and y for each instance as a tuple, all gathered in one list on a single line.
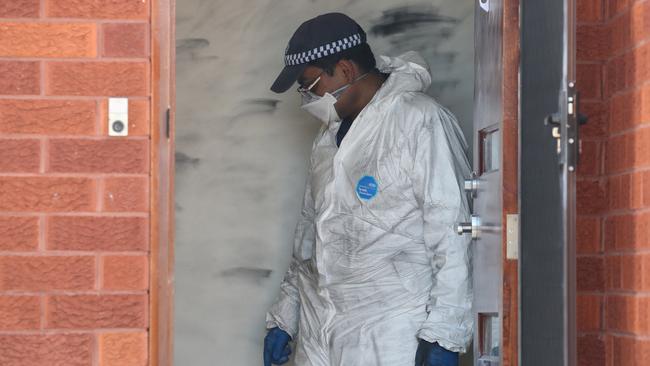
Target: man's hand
[(432, 354), (276, 347)]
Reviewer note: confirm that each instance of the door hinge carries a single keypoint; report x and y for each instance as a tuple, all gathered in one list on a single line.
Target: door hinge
[(167, 122)]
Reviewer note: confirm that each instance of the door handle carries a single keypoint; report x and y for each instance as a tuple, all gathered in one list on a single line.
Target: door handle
[(473, 227), (485, 5), (471, 186)]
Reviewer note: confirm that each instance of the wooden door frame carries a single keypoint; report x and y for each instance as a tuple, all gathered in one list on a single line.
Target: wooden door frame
[(161, 274), (510, 179)]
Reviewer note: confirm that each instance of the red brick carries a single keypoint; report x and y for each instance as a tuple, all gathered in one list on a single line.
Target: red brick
[(628, 314), (46, 349), (636, 66), (617, 154), (589, 10), (591, 351), (96, 311), (643, 106), (590, 158), (614, 277), (640, 148), (591, 43), (644, 274), (588, 236), (97, 233), (125, 39), (19, 8), (126, 194), (628, 272), (19, 313), (616, 7), (20, 77), (46, 194), (627, 151), (646, 189), (121, 349), (619, 36), (640, 22), (115, 9), (615, 75), (99, 156), (99, 78), (48, 40), (20, 156), (51, 117), (628, 351), (125, 272), (627, 232), (589, 311), (43, 273), (590, 274), (625, 191), (138, 118), (18, 233), (590, 197), (597, 114), (630, 109), (609, 361), (588, 76)]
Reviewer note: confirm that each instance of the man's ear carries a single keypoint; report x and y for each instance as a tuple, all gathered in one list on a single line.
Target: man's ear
[(349, 70)]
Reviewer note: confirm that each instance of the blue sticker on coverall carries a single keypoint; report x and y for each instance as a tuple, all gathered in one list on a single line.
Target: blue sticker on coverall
[(367, 187)]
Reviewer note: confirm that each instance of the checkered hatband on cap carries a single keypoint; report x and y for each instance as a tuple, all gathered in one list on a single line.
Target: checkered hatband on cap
[(322, 51)]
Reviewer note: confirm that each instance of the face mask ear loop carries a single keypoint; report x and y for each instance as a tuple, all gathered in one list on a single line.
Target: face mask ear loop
[(337, 93)]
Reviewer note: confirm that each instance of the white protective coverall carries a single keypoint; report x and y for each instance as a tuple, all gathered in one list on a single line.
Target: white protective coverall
[(377, 262)]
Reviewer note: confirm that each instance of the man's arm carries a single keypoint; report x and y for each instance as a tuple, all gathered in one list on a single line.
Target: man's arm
[(285, 313), (435, 183)]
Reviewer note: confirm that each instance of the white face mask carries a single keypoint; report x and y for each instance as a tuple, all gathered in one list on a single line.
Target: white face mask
[(323, 107)]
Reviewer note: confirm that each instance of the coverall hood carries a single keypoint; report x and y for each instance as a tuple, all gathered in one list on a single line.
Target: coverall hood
[(410, 72)]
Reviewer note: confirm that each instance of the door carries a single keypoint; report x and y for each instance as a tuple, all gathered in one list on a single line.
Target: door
[(549, 147), (540, 236), (485, 187)]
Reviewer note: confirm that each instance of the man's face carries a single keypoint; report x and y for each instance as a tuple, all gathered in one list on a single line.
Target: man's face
[(329, 83)]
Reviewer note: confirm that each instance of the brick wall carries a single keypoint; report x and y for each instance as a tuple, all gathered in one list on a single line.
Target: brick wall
[(74, 203), (613, 188)]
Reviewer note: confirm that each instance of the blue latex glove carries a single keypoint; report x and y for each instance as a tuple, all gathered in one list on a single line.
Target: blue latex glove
[(432, 354), (276, 347)]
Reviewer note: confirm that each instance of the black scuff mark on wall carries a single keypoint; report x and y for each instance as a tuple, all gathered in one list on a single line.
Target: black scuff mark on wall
[(256, 106), (253, 274), (422, 28), (403, 18), (185, 161), (191, 44), (267, 103), (193, 49)]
